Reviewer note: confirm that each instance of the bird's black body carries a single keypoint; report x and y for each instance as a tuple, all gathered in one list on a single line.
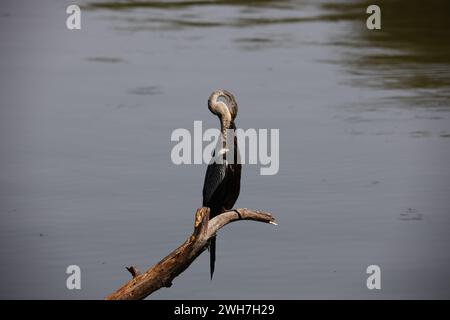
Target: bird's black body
[(222, 186), (222, 181)]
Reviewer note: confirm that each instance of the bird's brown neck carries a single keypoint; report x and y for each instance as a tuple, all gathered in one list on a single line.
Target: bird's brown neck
[(229, 141)]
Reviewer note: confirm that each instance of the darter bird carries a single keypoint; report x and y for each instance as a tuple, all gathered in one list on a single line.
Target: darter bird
[(223, 178)]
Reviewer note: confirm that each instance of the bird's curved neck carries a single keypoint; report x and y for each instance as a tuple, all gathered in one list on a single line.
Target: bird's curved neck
[(226, 125), (227, 130)]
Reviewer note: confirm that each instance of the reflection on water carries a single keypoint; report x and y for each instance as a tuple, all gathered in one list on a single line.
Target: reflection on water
[(119, 5), (150, 90), (105, 59), (175, 15), (411, 51)]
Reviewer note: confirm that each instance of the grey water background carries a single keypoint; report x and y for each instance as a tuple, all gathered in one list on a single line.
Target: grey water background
[(364, 117)]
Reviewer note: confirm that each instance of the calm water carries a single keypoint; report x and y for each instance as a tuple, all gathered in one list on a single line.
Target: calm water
[(364, 118)]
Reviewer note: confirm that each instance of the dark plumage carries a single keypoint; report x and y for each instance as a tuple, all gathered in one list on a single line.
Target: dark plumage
[(222, 180)]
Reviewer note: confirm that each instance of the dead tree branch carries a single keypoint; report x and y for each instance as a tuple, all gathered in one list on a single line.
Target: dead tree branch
[(162, 274)]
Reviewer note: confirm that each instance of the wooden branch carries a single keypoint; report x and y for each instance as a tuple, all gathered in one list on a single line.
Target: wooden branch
[(162, 274), (134, 271)]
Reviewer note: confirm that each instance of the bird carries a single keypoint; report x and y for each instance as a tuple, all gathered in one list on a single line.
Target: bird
[(222, 182)]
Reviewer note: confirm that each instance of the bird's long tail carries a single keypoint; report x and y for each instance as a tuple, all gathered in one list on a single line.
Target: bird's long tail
[(212, 255)]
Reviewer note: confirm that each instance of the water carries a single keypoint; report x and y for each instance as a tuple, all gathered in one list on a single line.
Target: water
[(364, 119)]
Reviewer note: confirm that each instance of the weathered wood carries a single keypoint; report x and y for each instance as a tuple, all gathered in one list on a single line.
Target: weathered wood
[(134, 271), (162, 274)]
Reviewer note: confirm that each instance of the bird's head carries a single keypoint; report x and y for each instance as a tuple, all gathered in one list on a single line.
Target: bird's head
[(223, 104)]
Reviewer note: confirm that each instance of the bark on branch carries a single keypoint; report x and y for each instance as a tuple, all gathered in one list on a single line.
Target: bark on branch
[(162, 274)]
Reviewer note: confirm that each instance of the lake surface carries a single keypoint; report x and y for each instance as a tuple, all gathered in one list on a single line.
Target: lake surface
[(364, 116)]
